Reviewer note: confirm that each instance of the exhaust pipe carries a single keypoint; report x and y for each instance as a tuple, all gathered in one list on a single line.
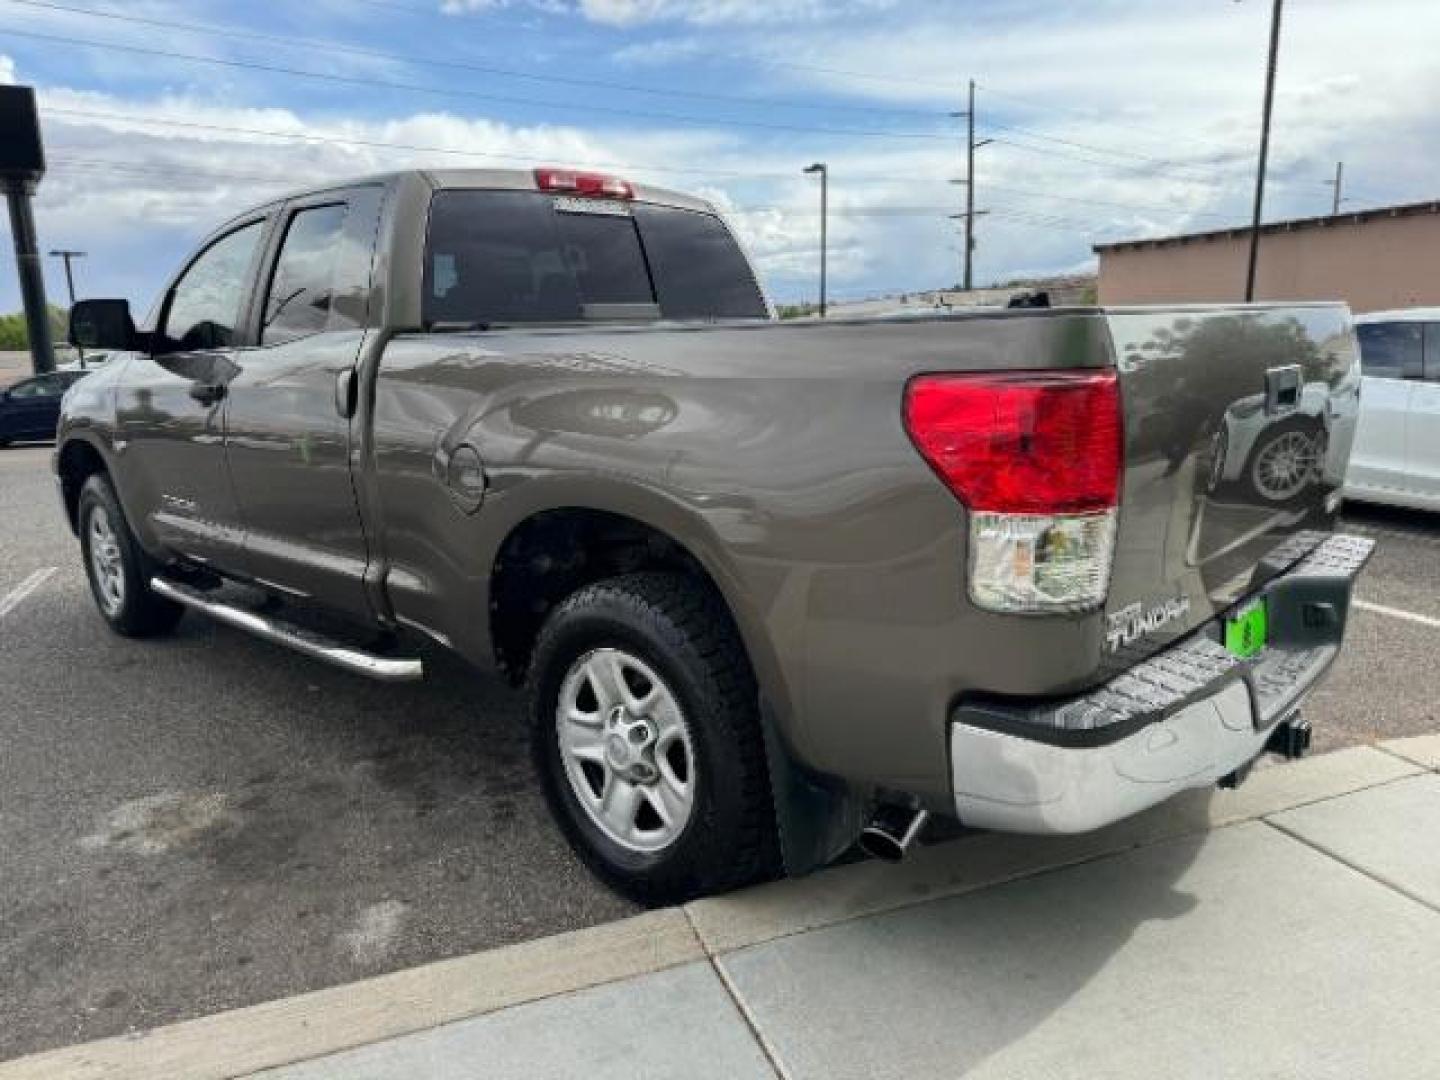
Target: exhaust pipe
[(1290, 739), (891, 831)]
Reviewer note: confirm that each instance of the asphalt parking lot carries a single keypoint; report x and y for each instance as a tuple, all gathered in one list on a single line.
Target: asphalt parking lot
[(209, 821)]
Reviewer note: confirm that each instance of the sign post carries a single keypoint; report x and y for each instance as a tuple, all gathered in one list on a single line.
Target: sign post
[(22, 164)]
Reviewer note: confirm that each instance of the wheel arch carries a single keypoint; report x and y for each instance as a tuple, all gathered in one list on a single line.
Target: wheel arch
[(549, 553), (77, 459)]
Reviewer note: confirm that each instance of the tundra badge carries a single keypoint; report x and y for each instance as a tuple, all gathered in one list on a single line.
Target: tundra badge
[(1134, 621)]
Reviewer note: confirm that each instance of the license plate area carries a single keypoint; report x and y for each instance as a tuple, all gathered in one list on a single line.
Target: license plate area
[(1248, 629)]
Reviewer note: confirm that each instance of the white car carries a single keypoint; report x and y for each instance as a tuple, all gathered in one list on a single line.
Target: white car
[(1396, 457)]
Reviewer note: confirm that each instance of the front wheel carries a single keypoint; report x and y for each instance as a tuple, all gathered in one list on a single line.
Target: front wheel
[(118, 569), (646, 734)]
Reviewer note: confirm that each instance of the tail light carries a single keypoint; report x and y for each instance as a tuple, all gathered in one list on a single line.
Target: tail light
[(583, 183), (1036, 457)]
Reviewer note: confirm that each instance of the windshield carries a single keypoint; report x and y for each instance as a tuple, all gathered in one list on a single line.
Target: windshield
[(520, 256)]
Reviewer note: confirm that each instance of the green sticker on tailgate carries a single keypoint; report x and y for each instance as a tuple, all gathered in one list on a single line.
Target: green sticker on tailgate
[(1245, 631)]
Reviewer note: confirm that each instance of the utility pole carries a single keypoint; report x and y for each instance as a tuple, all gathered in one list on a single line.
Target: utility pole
[(1339, 178), (970, 189), (968, 280), (1264, 149), (68, 255), (823, 170)]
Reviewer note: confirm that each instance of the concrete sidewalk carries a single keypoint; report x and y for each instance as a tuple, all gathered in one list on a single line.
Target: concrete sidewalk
[(1291, 928)]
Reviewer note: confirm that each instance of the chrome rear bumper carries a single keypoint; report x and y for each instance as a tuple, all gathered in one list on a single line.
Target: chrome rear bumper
[(1018, 785), (1185, 718)]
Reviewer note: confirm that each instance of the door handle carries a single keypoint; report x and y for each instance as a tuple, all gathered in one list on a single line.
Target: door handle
[(345, 393), (207, 393)]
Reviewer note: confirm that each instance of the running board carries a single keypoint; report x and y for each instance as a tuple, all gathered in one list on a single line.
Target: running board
[(301, 640)]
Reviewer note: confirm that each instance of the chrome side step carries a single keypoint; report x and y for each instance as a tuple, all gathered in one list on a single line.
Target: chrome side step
[(301, 640)]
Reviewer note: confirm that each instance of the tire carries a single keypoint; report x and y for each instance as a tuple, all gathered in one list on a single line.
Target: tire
[(1302, 443), (117, 568), (677, 639)]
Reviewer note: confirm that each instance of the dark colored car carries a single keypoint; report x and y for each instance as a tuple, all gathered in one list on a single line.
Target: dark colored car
[(30, 409)]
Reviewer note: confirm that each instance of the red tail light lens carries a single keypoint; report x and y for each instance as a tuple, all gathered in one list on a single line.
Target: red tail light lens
[(1021, 443), (583, 183)]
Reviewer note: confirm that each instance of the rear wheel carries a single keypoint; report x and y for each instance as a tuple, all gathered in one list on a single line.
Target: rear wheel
[(646, 735), (118, 569)]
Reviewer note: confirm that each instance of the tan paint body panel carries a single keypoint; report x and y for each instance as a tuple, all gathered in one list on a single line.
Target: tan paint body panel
[(775, 453)]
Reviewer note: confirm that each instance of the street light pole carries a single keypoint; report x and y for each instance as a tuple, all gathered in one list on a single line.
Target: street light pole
[(821, 168), (1264, 149), (68, 255)]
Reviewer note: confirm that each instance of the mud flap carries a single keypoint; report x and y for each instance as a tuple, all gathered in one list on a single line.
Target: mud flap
[(818, 817)]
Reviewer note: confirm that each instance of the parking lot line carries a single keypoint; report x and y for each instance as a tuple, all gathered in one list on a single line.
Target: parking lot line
[(12, 599), (1398, 613)]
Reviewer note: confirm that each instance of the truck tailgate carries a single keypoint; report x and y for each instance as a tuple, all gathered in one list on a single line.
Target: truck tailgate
[(1238, 426)]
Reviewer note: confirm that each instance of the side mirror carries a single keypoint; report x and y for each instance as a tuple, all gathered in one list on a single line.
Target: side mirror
[(102, 324)]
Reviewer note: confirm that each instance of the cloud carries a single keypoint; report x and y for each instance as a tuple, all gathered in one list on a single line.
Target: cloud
[(1111, 120), (625, 13), (7, 70)]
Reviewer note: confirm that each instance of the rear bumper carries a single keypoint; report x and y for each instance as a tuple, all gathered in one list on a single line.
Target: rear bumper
[(1182, 719)]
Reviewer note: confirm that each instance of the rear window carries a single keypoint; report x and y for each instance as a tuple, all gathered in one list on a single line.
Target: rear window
[(1391, 350), (519, 256), (700, 272)]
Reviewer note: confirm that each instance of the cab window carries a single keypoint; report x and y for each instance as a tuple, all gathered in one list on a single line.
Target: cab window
[(1391, 350), (205, 303)]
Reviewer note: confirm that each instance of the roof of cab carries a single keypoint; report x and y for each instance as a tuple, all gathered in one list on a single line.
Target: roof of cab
[(498, 180)]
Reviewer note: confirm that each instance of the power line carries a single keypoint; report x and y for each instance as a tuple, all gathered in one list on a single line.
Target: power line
[(290, 178), (1156, 207), (109, 165), (1238, 154), (947, 87), (1195, 177), (1090, 147), (68, 162), (349, 80), (335, 140), (460, 65), (1036, 105)]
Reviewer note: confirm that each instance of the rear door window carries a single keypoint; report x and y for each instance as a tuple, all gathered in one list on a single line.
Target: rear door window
[(1391, 350), (301, 296)]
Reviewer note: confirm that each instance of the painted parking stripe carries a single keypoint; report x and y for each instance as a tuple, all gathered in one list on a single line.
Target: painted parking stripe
[(12, 599), (1398, 613)]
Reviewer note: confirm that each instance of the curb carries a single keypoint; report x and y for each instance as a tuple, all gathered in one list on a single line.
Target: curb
[(245, 1041)]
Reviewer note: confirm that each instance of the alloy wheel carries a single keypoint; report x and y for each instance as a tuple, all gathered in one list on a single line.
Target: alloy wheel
[(626, 749)]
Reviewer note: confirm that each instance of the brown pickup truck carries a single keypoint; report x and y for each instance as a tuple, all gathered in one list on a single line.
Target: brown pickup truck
[(771, 586)]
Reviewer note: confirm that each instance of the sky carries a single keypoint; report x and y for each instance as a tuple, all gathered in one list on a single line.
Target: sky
[(1107, 120)]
